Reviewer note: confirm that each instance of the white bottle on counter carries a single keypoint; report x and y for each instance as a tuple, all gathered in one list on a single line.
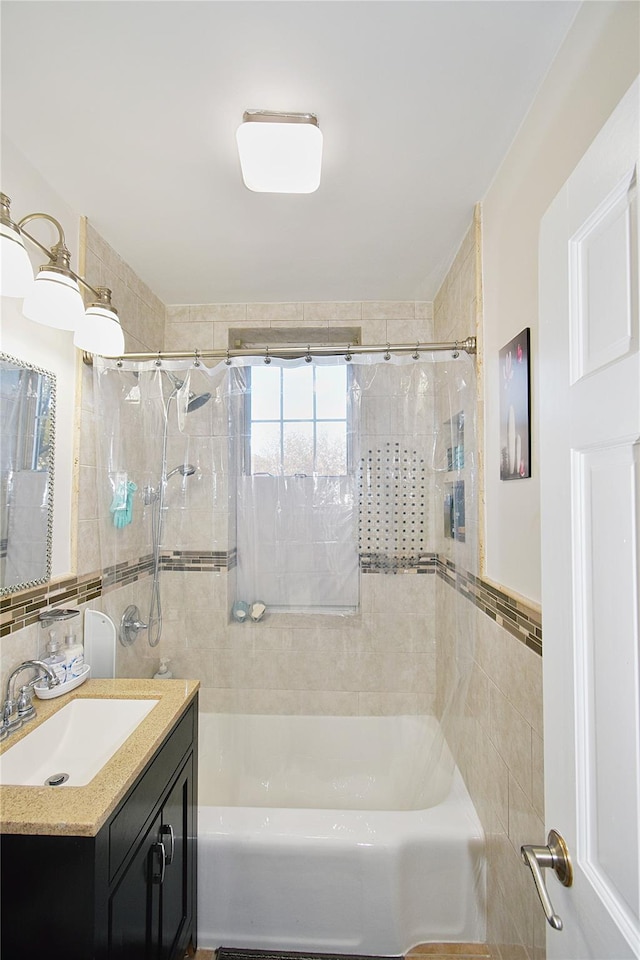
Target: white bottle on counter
[(163, 671), (74, 655), (54, 659)]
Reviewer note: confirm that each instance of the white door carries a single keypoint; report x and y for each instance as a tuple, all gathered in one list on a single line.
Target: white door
[(590, 503)]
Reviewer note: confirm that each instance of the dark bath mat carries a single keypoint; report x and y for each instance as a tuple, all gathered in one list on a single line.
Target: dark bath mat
[(230, 953)]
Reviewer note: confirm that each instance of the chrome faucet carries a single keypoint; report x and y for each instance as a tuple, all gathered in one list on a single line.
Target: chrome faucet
[(23, 708)]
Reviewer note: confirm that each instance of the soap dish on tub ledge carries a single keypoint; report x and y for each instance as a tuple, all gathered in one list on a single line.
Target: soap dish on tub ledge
[(48, 693)]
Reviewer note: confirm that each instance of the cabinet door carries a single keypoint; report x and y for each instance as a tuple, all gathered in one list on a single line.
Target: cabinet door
[(177, 834), (134, 905)]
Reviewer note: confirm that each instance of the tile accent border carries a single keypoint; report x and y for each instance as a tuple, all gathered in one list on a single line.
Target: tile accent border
[(381, 563), (194, 561), (21, 609), (520, 619)]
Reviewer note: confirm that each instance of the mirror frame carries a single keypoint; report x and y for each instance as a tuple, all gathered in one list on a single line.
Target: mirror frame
[(51, 379)]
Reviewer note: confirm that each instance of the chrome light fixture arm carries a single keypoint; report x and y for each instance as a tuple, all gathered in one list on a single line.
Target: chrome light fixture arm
[(59, 254), (55, 300)]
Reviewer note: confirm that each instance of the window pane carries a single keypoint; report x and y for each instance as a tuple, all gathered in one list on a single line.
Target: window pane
[(331, 393), (265, 393), (298, 393), (265, 448), (331, 449), (298, 448)]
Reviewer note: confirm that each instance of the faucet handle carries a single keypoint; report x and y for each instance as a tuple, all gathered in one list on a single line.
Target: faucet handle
[(9, 721), (26, 709)]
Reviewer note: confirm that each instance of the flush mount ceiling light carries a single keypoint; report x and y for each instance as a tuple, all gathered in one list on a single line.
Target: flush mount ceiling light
[(280, 152), (54, 298)]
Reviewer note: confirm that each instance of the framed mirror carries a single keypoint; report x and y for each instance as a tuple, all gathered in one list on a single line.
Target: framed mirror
[(27, 434)]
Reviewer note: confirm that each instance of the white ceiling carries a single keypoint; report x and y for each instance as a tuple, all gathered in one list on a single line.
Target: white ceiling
[(129, 110)]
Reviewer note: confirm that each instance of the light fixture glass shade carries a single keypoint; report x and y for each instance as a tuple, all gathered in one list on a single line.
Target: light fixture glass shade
[(100, 332), (16, 272), (54, 300), (280, 157)]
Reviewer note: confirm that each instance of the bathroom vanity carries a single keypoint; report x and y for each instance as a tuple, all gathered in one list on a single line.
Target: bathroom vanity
[(108, 871)]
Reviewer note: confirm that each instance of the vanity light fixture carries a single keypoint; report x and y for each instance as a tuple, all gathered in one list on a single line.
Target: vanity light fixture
[(99, 329), (280, 152), (54, 298)]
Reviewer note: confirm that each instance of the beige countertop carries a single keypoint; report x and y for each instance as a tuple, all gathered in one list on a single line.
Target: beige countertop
[(81, 811)]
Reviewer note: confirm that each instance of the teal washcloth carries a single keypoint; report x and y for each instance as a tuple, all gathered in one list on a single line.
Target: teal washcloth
[(122, 504)]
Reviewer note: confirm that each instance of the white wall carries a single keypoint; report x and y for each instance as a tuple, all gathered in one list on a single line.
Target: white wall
[(597, 63), (51, 349)]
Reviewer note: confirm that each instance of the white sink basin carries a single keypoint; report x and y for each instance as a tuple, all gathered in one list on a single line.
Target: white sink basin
[(77, 741)]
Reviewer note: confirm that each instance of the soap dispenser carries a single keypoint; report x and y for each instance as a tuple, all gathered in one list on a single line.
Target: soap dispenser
[(74, 655), (54, 659), (163, 670)]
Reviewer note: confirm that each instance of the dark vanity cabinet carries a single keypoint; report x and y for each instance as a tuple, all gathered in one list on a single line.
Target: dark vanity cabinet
[(128, 893)]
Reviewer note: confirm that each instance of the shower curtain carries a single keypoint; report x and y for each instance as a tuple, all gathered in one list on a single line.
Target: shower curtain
[(294, 483)]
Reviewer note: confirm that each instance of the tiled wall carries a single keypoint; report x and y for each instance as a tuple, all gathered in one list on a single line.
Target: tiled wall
[(380, 660), (495, 731)]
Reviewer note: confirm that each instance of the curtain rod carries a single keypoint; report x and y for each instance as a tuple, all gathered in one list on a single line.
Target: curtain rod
[(468, 346)]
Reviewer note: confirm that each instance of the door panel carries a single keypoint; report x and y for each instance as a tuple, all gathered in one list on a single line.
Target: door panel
[(590, 506), (176, 889), (133, 910)]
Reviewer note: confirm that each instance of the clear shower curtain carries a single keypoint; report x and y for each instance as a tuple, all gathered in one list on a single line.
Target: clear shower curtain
[(402, 500)]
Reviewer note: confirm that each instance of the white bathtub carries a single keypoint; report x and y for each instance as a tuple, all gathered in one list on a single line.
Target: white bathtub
[(315, 834)]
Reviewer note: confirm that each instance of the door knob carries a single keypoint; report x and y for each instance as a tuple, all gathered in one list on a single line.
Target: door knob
[(556, 857)]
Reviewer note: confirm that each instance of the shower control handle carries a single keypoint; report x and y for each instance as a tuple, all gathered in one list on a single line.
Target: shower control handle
[(554, 856), (130, 625)]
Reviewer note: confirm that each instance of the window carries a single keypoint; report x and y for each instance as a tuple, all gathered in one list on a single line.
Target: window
[(295, 523), (298, 420)]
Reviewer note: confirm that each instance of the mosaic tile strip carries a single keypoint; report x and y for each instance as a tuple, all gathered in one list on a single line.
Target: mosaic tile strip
[(518, 618), (21, 609), (194, 561), (126, 572), (381, 563)]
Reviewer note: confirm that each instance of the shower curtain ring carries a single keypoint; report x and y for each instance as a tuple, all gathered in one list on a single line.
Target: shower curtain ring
[(456, 352), (267, 358), (308, 358), (347, 355), (387, 355), (228, 360), (415, 354), (119, 362), (158, 362), (196, 361)]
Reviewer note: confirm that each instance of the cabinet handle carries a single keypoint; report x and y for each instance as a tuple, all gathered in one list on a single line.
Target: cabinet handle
[(159, 849), (166, 830)]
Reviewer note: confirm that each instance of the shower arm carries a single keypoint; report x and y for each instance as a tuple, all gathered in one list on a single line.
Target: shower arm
[(468, 345)]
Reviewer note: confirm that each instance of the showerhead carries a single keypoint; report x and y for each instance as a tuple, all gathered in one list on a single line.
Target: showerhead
[(185, 470), (197, 401), (194, 401)]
